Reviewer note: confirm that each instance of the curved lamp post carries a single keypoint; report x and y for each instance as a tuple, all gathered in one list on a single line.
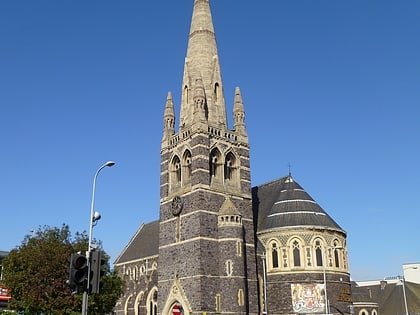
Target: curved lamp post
[(93, 219), (403, 285)]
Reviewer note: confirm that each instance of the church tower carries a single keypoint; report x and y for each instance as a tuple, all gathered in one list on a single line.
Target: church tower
[(206, 230)]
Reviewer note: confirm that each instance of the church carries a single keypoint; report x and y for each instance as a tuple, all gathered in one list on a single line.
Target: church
[(221, 246)]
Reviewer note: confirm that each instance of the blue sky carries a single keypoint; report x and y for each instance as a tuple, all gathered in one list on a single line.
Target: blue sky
[(329, 87)]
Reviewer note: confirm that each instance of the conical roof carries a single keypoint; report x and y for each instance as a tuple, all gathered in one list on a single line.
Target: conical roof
[(283, 203)]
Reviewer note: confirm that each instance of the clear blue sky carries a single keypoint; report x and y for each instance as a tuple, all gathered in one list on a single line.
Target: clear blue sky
[(331, 87)]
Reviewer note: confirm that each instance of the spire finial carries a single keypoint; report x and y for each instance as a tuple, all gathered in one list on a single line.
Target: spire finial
[(239, 113), (169, 117)]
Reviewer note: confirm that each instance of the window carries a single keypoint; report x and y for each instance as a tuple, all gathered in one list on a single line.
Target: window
[(238, 248), (218, 306), (337, 248), (296, 253), (229, 267), (336, 258), (241, 297), (214, 166), (229, 166), (216, 92), (187, 169), (175, 172), (318, 253), (213, 163), (152, 302), (139, 310), (274, 255)]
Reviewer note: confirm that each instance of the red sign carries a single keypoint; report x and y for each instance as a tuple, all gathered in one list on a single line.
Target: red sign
[(4, 294), (177, 309)]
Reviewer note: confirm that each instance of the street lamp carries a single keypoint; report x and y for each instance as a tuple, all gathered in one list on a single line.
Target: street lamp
[(403, 283), (324, 262), (93, 220)]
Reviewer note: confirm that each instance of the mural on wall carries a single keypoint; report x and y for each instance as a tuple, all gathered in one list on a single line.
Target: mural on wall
[(308, 298)]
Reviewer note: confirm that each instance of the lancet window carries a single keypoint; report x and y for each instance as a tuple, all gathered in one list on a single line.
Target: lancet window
[(336, 253), (152, 302), (176, 170), (274, 255), (214, 165), (296, 253), (187, 167), (318, 253), (229, 166)]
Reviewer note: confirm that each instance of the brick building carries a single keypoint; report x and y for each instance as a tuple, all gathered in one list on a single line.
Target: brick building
[(221, 246)]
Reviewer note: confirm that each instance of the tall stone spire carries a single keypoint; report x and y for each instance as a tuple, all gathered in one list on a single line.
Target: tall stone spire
[(202, 67)]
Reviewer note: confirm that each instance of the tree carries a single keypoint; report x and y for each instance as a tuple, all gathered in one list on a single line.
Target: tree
[(37, 271)]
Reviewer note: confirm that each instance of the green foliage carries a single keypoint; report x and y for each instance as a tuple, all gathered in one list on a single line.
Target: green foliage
[(104, 302), (37, 272)]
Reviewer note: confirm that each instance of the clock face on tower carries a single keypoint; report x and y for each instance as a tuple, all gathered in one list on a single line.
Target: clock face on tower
[(177, 205)]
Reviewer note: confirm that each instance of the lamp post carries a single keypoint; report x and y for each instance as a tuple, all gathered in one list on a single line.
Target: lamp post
[(94, 217), (403, 285), (324, 264)]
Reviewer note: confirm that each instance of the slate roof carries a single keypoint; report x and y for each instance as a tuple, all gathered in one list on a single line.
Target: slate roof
[(145, 243), (361, 294), (390, 297), (283, 203)]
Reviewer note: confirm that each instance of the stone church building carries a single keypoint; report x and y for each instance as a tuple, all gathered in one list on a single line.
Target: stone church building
[(221, 246)]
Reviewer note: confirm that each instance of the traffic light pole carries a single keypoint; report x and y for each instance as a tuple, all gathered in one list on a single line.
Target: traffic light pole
[(86, 290), (93, 218)]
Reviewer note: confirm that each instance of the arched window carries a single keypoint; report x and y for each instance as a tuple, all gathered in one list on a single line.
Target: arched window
[(138, 308), (274, 255), (337, 248), (214, 165), (175, 171), (127, 303), (216, 92), (187, 169), (152, 302), (296, 253), (318, 253), (229, 267), (241, 297), (229, 166)]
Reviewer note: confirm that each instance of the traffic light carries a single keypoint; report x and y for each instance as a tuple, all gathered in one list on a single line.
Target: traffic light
[(78, 272), (96, 271)]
